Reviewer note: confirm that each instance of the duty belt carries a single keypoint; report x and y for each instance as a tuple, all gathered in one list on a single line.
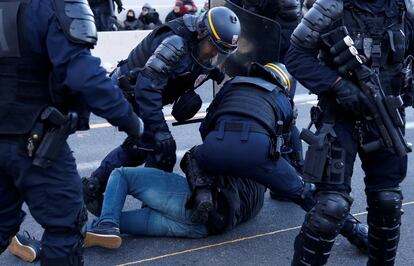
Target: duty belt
[(241, 126)]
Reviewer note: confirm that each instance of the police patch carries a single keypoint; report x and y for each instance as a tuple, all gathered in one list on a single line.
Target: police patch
[(234, 39), (200, 80)]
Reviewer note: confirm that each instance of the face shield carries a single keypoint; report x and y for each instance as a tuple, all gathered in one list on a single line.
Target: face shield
[(209, 54)]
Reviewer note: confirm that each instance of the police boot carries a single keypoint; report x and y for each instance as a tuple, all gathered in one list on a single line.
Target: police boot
[(92, 195), (203, 204), (384, 220), (356, 233)]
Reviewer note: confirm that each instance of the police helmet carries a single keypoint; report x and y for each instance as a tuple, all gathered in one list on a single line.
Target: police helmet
[(218, 32), (273, 72)]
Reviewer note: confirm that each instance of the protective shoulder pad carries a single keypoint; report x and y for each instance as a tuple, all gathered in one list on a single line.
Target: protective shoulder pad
[(77, 21), (316, 21), (409, 6), (257, 82), (165, 57)]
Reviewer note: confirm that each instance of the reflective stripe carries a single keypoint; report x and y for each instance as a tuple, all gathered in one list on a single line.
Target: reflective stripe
[(212, 26), (281, 73)]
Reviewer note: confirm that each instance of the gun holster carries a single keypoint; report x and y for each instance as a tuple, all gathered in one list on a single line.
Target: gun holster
[(324, 162), (56, 129)]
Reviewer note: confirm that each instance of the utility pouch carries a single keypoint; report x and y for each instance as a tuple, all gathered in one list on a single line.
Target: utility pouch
[(336, 167)]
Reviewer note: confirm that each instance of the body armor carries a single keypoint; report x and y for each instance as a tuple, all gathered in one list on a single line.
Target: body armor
[(24, 75), (245, 96)]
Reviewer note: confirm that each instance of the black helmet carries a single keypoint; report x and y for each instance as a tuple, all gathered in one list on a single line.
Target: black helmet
[(273, 72), (218, 31)]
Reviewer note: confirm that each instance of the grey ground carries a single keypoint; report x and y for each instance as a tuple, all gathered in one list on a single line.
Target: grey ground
[(265, 240)]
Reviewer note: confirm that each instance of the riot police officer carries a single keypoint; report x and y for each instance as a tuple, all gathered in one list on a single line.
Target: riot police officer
[(167, 65), (243, 135), (48, 83), (380, 31)]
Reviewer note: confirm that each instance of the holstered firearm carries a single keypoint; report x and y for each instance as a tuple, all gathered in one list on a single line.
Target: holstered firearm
[(58, 127), (383, 109), (324, 163), (276, 142)]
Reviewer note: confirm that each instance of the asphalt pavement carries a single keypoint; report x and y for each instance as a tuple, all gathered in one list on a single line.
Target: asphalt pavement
[(265, 240)]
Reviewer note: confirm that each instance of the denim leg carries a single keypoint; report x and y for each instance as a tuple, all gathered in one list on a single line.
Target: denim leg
[(149, 222), (115, 195), (164, 192)]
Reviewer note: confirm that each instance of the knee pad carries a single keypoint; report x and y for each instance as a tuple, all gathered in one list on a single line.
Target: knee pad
[(385, 207), (328, 215)]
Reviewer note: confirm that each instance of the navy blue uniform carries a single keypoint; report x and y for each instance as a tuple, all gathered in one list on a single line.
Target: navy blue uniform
[(380, 31), (54, 194), (245, 152)]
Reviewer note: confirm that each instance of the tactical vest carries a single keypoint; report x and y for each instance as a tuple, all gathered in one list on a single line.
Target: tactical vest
[(142, 52), (24, 74), (380, 38), (247, 99)]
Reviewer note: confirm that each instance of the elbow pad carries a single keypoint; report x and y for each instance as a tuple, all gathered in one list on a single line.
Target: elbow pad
[(316, 21), (165, 57)]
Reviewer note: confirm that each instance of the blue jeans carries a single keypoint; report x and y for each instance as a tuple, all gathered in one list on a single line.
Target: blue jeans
[(164, 195)]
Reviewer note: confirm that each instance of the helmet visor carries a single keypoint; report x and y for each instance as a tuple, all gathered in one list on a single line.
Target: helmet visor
[(208, 55)]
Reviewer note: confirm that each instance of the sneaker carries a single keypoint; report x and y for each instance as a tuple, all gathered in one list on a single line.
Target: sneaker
[(92, 196), (104, 235), (356, 233), (25, 247)]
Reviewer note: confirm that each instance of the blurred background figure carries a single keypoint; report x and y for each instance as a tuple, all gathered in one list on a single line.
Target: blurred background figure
[(103, 11), (149, 17), (181, 8), (176, 12), (131, 22), (205, 7), (189, 6)]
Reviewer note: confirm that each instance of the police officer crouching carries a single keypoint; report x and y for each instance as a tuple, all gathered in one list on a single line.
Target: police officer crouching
[(166, 67), (49, 83), (244, 135)]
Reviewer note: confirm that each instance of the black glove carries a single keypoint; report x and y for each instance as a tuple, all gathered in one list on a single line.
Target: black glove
[(134, 128), (165, 148), (217, 75), (120, 8), (348, 95)]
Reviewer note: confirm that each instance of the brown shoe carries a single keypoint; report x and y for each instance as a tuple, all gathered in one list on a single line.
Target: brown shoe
[(25, 247), (104, 235)]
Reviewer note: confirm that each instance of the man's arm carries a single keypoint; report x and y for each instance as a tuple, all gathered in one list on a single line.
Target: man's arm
[(301, 59), (152, 80), (75, 68), (305, 67)]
